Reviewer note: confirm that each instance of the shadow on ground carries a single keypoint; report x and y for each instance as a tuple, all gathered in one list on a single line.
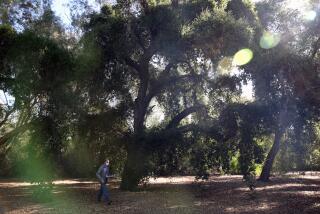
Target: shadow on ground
[(221, 194)]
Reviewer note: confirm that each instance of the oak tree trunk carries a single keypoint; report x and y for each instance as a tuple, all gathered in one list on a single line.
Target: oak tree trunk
[(265, 174), (135, 166), (134, 169)]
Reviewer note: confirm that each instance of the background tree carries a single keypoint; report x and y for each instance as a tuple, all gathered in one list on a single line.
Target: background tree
[(277, 74)]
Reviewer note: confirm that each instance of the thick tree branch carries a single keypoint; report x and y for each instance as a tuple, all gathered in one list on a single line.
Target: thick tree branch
[(177, 119), (5, 96), (209, 130), (145, 6), (133, 64), (4, 139), (142, 65), (139, 39), (316, 47), (146, 57), (8, 113), (175, 3), (166, 70)]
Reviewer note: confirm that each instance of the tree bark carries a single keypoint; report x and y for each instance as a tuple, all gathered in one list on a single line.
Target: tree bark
[(177, 119), (265, 174), (135, 168)]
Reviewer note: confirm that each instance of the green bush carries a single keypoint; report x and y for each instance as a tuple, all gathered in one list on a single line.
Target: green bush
[(42, 191)]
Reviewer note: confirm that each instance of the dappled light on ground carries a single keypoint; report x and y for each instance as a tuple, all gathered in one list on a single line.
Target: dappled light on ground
[(292, 193), (173, 180)]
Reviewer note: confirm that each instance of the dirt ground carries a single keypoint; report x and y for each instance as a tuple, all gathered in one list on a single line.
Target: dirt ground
[(221, 194)]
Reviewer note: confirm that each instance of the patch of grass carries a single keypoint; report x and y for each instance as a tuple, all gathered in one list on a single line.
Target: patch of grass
[(42, 192)]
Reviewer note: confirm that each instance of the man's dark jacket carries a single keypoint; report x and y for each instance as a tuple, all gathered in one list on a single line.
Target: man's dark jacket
[(103, 173)]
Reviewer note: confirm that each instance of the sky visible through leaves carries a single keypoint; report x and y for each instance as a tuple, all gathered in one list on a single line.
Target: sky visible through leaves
[(269, 40)]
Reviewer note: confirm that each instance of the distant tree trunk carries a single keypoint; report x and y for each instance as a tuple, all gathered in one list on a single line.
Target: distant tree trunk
[(265, 174), (300, 150), (246, 151)]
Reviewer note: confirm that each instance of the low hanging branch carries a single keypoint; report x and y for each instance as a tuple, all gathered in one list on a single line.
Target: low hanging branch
[(210, 130), (133, 64), (177, 119), (6, 137)]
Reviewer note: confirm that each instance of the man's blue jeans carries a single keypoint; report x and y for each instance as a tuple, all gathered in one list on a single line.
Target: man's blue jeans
[(103, 192)]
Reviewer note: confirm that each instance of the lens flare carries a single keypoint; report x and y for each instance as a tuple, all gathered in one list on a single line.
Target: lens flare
[(269, 40), (310, 15), (243, 57)]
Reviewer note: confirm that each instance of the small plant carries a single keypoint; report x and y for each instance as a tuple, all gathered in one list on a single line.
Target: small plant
[(250, 181), (42, 191)]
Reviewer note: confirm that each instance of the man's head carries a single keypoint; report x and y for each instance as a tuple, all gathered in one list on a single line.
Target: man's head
[(107, 162)]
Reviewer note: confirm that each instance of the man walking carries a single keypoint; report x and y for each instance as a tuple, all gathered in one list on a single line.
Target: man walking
[(102, 175)]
